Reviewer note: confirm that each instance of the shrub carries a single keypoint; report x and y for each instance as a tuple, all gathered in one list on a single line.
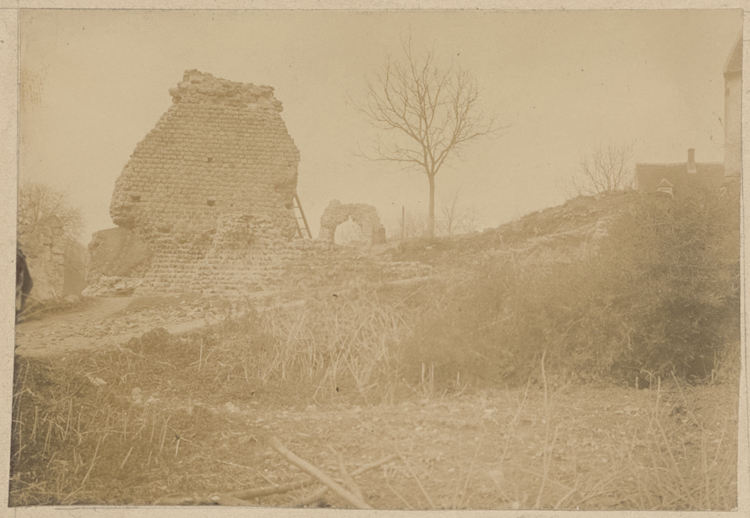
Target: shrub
[(661, 295), (675, 279)]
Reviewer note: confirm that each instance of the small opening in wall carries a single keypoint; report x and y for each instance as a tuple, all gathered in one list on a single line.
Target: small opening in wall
[(210, 202), (135, 198), (210, 159)]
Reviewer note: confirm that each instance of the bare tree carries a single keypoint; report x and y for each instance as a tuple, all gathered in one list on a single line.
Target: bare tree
[(38, 201), (412, 225), (426, 114), (456, 218), (449, 212), (607, 169)]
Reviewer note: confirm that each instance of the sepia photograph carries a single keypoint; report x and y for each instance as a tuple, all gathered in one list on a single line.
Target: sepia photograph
[(377, 259)]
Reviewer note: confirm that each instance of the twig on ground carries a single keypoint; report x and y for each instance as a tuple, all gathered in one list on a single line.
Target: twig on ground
[(228, 500), (315, 472), (93, 460), (127, 457), (265, 491), (345, 477), (419, 482), (393, 490), (319, 493), (468, 475)]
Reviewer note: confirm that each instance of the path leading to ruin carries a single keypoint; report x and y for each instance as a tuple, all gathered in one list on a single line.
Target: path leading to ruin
[(85, 328), (110, 321), (106, 321)]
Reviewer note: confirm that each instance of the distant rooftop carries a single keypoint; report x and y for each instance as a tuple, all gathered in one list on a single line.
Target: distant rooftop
[(682, 178)]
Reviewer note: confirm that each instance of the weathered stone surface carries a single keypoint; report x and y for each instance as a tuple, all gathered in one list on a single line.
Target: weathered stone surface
[(210, 189), (366, 216), (109, 286), (117, 252), (43, 244)]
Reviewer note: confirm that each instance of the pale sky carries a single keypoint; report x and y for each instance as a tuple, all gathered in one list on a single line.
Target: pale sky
[(94, 83)]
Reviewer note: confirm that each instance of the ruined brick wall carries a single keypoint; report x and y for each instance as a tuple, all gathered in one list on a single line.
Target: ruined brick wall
[(366, 216), (210, 188), (44, 248)]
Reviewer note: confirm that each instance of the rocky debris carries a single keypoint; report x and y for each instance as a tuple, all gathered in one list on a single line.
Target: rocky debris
[(106, 286), (116, 252)]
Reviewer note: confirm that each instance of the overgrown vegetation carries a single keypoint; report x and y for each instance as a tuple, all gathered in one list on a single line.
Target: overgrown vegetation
[(80, 420), (151, 421), (659, 295)]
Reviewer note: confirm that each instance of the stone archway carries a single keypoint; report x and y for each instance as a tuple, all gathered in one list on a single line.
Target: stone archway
[(349, 233), (363, 215)]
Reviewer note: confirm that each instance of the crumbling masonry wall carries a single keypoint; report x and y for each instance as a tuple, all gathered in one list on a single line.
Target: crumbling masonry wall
[(210, 188), (44, 247), (366, 216)]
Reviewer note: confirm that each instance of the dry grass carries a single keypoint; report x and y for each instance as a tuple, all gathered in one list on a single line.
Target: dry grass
[(168, 415)]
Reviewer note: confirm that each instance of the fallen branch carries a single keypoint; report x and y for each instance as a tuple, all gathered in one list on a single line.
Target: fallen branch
[(202, 500), (273, 490), (416, 478), (323, 490), (315, 472), (345, 476)]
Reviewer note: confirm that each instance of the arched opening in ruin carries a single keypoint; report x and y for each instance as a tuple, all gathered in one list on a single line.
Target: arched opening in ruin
[(349, 233)]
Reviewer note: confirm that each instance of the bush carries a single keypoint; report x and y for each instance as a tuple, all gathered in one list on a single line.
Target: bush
[(660, 296), (675, 273)]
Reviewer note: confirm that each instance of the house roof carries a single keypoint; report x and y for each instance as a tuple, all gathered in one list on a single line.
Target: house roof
[(651, 177), (734, 61), (679, 168), (665, 183)]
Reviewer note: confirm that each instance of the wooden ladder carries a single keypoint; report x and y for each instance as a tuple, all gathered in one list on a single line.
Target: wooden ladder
[(299, 214)]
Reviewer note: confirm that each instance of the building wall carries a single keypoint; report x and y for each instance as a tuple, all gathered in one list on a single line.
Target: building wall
[(44, 248), (210, 189), (685, 184), (733, 113)]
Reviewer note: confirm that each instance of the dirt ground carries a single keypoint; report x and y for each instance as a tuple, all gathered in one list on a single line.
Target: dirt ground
[(585, 447), (110, 321), (485, 451)]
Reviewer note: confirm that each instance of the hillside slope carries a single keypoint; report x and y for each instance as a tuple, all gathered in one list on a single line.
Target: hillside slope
[(560, 233)]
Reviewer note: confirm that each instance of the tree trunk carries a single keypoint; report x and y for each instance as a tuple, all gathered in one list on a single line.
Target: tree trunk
[(431, 221)]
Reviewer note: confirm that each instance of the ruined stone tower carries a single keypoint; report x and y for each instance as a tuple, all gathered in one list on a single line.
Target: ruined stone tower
[(210, 189)]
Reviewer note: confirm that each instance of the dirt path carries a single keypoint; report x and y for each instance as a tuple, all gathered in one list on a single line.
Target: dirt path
[(67, 331), (115, 320), (107, 321)]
